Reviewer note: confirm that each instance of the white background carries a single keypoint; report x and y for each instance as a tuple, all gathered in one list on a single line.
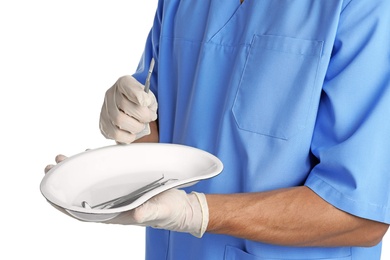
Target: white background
[(57, 59)]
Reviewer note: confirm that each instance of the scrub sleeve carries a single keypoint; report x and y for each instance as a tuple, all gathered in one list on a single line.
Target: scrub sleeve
[(352, 134)]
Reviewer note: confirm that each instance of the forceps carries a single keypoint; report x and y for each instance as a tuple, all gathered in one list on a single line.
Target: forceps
[(129, 198)]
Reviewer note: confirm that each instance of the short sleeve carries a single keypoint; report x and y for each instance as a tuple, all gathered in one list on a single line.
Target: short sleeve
[(351, 140)]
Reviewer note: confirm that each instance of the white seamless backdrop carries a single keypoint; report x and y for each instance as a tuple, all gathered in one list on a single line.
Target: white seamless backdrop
[(57, 59)]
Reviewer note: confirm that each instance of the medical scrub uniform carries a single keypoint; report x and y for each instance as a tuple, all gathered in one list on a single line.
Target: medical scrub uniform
[(285, 93)]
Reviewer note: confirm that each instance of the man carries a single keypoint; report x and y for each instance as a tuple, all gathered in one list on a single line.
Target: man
[(293, 97)]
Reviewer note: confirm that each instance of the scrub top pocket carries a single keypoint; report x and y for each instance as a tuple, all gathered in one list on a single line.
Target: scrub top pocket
[(279, 70)]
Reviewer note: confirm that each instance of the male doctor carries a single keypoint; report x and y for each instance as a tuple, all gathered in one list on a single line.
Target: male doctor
[(294, 98)]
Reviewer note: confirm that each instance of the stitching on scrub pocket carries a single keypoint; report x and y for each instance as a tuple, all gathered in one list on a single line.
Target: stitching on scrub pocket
[(275, 91)]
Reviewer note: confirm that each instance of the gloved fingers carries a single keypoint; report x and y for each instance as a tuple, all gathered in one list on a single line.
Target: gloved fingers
[(59, 158), (122, 121), (116, 125), (134, 91), (48, 168), (143, 114), (111, 131), (149, 212), (123, 137)]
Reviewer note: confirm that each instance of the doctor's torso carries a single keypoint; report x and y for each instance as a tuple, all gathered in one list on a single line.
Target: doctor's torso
[(244, 82)]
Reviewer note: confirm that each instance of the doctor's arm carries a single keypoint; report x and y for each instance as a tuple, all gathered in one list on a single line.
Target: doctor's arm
[(351, 143), (292, 217)]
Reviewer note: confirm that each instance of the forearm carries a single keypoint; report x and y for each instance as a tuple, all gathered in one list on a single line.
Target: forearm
[(291, 217)]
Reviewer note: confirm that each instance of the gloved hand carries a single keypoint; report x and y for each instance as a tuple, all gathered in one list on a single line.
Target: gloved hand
[(172, 210), (127, 111)]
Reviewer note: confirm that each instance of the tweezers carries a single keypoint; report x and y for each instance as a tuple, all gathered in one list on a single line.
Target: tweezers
[(129, 198)]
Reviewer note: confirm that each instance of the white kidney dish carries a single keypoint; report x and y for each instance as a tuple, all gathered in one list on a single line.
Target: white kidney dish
[(106, 173)]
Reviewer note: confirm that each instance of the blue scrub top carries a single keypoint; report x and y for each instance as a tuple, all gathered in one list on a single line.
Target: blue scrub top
[(285, 93)]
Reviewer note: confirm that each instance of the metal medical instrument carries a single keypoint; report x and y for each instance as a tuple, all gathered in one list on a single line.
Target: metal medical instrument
[(147, 82), (129, 198)]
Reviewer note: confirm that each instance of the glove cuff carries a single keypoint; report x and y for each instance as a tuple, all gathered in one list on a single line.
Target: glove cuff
[(205, 214)]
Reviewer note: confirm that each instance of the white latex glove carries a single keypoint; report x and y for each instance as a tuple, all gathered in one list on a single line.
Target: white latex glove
[(172, 210), (127, 111), (59, 158)]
